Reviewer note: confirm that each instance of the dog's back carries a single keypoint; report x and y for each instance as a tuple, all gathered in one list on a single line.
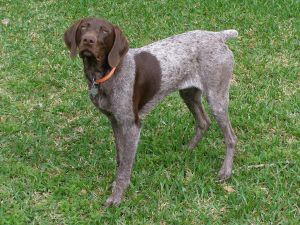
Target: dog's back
[(197, 58)]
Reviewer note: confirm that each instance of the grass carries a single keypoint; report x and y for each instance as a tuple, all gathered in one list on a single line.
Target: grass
[(57, 151)]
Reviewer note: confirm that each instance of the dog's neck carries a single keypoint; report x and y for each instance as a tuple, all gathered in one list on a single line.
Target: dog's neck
[(97, 69), (94, 69)]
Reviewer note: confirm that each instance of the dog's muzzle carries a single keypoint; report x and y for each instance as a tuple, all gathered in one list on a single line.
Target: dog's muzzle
[(86, 53)]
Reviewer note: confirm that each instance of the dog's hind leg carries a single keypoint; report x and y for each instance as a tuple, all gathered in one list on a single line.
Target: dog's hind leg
[(192, 98), (218, 103)]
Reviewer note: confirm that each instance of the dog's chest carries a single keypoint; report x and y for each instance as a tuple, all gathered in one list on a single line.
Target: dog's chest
[(99, 98)]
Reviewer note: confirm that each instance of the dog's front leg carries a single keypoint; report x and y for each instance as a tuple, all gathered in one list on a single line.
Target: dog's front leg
[(126, 137)]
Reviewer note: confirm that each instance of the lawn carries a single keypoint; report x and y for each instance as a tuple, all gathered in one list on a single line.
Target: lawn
[(57, 156)]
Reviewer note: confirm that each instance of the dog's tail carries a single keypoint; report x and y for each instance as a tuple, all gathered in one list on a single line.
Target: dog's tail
[(227, 34)]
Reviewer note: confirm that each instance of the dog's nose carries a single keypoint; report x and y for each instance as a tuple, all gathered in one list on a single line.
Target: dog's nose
[(89, 39)]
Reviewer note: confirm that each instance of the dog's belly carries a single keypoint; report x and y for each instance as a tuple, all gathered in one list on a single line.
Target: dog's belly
[(188, 79)]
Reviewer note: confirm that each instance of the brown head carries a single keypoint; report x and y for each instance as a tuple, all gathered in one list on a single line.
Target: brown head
[(97, 39)]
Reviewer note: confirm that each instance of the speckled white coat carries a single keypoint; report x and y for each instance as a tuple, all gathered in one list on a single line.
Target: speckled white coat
[(196, 62)]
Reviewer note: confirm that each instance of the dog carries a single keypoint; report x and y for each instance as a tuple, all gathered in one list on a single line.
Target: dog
[(125, 84)]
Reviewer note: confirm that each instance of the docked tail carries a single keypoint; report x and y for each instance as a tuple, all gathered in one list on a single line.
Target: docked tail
[(227, 34)]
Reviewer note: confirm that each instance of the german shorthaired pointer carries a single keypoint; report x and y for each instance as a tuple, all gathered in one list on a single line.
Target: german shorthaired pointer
[(126, 83)]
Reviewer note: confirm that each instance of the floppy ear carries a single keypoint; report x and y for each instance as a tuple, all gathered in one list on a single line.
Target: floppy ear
[(70, 38), (119, 49)]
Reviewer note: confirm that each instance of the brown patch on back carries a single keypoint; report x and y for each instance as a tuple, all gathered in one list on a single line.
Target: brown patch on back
[(147, 80)]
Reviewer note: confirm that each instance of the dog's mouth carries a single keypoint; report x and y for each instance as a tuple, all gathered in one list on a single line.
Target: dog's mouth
[(87, 53), (90, 55)]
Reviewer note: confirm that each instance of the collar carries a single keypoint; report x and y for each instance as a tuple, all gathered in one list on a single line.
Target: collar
[(106, 76)]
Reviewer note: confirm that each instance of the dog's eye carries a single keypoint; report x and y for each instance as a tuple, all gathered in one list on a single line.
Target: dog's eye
[(83, 28), (103, 30)]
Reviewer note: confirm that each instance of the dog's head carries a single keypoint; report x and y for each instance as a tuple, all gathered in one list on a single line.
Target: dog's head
[(97, 39)]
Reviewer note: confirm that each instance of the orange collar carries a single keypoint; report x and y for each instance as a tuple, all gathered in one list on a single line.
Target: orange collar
[(106, 77)]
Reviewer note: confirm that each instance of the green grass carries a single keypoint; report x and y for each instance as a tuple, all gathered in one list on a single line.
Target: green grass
[(57, 151)]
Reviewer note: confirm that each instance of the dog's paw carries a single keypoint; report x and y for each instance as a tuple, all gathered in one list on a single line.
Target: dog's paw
[(224, 173), (194, 141), (190, 146), (112, 201)]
